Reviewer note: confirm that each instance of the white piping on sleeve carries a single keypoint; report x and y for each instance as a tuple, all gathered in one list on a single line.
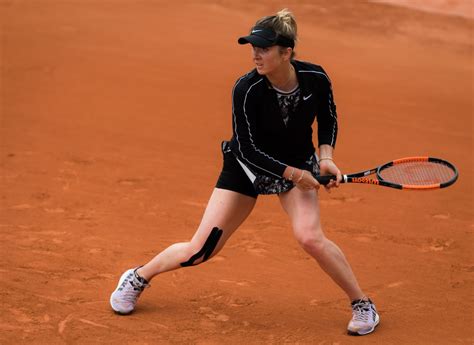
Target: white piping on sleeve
[(250, 133), (333, 137)]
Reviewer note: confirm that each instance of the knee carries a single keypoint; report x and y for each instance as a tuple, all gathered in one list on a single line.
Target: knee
[(198, 252), (312, 244), (188, 254), (311, 241)]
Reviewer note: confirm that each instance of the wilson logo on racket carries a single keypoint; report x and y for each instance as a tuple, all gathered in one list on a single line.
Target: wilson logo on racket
[(364, 180)]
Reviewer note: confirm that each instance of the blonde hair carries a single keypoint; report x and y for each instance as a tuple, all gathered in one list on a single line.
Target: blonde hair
[(283, 23)]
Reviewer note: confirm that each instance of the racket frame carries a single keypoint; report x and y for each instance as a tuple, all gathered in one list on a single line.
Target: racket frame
[(362, 176)]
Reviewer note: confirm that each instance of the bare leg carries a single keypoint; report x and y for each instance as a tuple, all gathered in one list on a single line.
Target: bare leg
[(303, 210), (225, 210)]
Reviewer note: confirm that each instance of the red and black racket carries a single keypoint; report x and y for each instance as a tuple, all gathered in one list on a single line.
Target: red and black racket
[(416, 173)]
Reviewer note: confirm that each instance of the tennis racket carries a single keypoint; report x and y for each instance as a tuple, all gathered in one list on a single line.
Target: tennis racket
[(416, 173)]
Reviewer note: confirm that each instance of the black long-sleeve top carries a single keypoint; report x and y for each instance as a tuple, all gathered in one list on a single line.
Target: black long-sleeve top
[(261, 139)]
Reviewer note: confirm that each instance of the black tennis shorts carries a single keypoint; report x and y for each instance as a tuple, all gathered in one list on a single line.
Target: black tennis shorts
[(233, 177)]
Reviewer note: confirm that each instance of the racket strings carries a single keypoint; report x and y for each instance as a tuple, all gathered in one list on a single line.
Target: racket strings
[(417, 173)]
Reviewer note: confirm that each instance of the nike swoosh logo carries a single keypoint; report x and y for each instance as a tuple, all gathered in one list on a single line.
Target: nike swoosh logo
[(254, 31), (306, 97)]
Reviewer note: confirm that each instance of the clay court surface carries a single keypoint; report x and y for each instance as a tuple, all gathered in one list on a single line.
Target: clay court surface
[(111, 121)]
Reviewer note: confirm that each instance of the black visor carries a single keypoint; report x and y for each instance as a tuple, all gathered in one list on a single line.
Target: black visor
[(264, 37)]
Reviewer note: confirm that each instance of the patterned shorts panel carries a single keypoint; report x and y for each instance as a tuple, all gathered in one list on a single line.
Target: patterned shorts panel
[(264, 184)]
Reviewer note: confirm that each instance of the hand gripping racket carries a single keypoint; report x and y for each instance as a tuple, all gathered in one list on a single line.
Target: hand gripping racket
[(416, 173)]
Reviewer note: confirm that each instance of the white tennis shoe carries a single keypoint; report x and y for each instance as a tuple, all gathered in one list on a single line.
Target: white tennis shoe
[(364, 318), (129, 288)]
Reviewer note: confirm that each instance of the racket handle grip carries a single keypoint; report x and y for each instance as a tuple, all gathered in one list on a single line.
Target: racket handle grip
[(325, 179)]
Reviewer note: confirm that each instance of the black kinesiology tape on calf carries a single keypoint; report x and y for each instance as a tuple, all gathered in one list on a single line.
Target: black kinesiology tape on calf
[(207, 249)]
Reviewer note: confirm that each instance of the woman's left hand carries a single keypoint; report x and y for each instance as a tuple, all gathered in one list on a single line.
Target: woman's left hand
[(328, 167)]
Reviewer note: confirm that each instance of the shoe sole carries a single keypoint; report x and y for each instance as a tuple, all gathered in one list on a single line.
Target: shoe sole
[(118, 285), (377, 321)]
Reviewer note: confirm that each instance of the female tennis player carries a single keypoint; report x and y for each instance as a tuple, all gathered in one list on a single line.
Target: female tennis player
[(271, 152)]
